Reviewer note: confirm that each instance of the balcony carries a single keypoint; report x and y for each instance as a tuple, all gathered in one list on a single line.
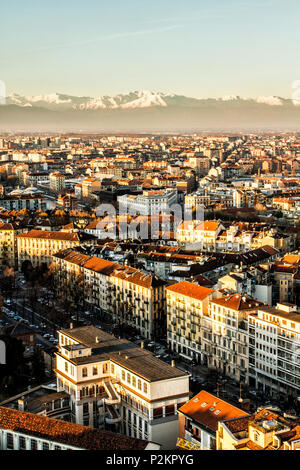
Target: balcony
[(187, 445)]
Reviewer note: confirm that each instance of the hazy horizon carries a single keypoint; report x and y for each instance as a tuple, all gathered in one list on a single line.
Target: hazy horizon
[(199, 49)]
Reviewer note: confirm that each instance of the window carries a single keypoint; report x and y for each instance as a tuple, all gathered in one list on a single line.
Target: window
[(139, 385), (22, 443), (123, 375), (105, 368), (84, 372), (85, 408), (128, 378), (133, 381), (145, 388), (95, 370), (33, 444), (10, 441), (157, 413), (112, 368), (66, 367), (46, 446)]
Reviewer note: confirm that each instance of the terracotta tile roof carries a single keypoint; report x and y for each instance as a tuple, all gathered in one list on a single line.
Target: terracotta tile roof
[(249, 445), (291, 259), (238, 302), (7, 226), (208, 410), (137, 277), (48, 235), (208, 226), (101, 265), (190, 290), (66, 433)]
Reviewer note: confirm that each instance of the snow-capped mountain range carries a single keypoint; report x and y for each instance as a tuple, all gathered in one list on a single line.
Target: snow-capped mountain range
[(132, 100)]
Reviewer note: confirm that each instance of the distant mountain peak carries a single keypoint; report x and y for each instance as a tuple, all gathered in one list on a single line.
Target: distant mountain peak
[(131, 100)]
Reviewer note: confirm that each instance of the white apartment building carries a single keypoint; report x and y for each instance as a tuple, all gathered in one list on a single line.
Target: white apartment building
[(148, 203), (201, 234), (115, 385), (274, 349), (57, 181), (196, 199)]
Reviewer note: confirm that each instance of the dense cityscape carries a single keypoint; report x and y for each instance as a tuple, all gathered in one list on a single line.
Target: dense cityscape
[(150, 291)]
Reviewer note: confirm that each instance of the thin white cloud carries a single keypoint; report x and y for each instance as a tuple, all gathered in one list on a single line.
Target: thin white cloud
[(112, 36)]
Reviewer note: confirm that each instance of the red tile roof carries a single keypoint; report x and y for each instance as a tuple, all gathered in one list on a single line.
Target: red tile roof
[(66, 433), (238, 302), (208, 410), (190, 290)]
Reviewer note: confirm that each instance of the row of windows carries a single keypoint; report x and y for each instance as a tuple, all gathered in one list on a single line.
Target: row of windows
[(84, 371), (132, 380), (20, 444)]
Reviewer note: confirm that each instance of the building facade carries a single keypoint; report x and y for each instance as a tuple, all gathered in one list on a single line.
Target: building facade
[(117, 386)]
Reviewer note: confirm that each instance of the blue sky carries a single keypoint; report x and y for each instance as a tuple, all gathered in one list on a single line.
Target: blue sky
[(201, 48)]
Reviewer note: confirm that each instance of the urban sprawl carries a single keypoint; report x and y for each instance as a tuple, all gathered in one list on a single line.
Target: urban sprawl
[(150, 292)]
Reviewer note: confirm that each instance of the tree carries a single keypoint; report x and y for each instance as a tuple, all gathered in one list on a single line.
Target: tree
[(38, 366), (14, 374)]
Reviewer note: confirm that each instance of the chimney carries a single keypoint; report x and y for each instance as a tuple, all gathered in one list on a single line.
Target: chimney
[(97, 339), (172, 363), (142, 344), (21, 404), (71, 326)]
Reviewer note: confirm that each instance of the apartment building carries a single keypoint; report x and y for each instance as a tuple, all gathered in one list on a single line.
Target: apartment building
[(115, 385), (8, 243), (57, 181), (68, 202), (212, 236), (274, 349), (35, 178), (20, 430), (18, 200), (255, 281), (201, 234), (148, 203), (197, 199), (286, 275), (89, 186), (225, 335), (125, 293), (199, 419), (263, 430), (38, 246), (187, 306)]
